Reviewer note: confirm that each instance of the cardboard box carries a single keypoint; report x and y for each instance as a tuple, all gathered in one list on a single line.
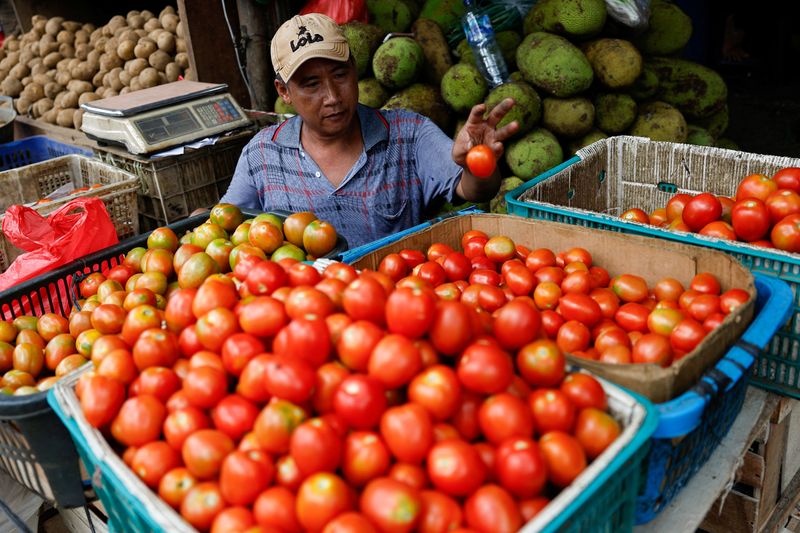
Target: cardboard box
[(651, 259)]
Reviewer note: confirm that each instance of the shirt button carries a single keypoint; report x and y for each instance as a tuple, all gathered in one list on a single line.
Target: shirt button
[(317, 174)]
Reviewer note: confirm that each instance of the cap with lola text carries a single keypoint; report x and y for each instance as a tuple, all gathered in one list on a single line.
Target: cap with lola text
[(305, 37)]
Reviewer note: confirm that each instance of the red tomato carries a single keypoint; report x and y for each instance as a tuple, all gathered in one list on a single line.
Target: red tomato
[(201, 505), (408, 432), (481, 161), (516, 324), (465, 419), (564, 457), (731, 299), (275, 423), (584, 391), (520, 280), (520, 467), (788, 178), (365, 299), (315, 447), (410, 312), (552, 410), (394, 266), (181, 423), (275, 508), (573, 336), (581, 308), (686, 335), (289, 378), (233, 519), (540, 258), (205, 386), (551, 323), (394, 361), (485, 368), (101, 399), (155, 347), (595, 430), (216, 326), (455, 467), (668, 289), (174, 485), (360, 401), (785, 234), (705, 283), (356, 343), (244, 475), (437, 389), (365, 456), (431, 272), (652, 348), (234, 415), (492, 508), (158, 381), (630, 288), (577, 282), (503, 416), (701, 210), (718, 229), (751, 219), (755, 186), (304, 338), (782, 203), (320, 498), (439, 513), (550, 273), (329, 377), (663, 321), (659, 216), (451, 330), (350, 522), (704, 306), (610, 337), (139, 420), (619, 354), (203, 452), (391, 505), (632, 317), (635, 215), (500, 248), (675, 206)]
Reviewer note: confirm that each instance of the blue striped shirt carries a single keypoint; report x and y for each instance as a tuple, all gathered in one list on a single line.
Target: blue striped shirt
[(405, 165)]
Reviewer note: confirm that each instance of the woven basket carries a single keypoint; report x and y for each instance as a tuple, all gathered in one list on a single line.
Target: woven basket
[(28, 184)]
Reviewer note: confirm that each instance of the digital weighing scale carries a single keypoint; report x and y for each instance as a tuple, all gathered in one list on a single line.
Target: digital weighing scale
[(164, 116)]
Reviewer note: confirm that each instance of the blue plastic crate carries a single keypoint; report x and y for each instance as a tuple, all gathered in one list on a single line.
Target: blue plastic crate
[(35, 150), (692, 425), (593, 188)]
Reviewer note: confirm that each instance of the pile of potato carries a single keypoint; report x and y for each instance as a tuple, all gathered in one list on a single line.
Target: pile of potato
[(60, 64)]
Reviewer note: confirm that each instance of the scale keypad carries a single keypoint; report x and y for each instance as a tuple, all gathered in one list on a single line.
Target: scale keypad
[(217, 112)]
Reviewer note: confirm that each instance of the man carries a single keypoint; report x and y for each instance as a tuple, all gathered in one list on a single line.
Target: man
[(368, 172)]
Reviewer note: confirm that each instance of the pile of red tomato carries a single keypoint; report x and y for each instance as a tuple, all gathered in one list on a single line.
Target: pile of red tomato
[(764, 212), (286, 399)]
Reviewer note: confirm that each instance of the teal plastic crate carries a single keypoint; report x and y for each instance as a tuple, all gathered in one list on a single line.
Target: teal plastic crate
[(612, 175)]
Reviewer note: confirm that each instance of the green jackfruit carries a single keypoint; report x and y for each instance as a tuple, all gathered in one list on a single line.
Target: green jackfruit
[(646, 85), (363, 40), (568, 117), (660, 122), (577, 19), (537, 151), (616, 63), (668, 31), (614, 112), (371, 93), (699, 136), (554, 64), (463, 87), (527, 108), (392, 15), (445, 13), (422, 99), (697, 91), (717, 123), (498, 203), (398, 62), (434, 46), (581, 142)]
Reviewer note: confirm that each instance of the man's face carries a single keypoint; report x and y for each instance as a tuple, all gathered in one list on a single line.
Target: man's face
[(324, 93)]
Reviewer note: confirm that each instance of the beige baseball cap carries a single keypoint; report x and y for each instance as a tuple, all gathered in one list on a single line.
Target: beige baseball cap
[(305, 37)]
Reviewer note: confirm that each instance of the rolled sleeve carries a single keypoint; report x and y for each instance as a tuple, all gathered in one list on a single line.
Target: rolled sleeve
[(435, 167)]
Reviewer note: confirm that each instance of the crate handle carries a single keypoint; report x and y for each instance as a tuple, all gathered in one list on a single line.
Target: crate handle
[(667, 187), (570, 193), (602, 176)]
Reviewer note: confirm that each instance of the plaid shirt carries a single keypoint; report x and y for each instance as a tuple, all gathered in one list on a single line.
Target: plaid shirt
[(405, 165)]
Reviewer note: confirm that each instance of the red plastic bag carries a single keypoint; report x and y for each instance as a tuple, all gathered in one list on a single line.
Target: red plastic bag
[(339, 10), (78, 228)]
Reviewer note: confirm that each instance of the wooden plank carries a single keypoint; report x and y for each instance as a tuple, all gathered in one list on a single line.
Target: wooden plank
[(773, 462), (738, 515), (785, 506), (212, 56), (751, 472), (791, 460)]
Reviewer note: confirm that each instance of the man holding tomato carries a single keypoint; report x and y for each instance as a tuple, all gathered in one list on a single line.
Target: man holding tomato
[(368, 172)]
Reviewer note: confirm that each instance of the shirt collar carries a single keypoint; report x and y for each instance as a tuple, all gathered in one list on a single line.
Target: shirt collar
[(374, 129)]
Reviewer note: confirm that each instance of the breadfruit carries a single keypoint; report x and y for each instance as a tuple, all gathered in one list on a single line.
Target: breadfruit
[(534, 153), (553, 64), (699, 136), (498, 203), (614, 113), (717, 123), (434, 47), (568, 117), (527, 108), (581, 142), (283, 108), (660, 122), (668, 31), (577, 19), (371, 93), (445, 13), (422, 99), (363, 40), (392, 16), (646, 85), (397, 62), (616, 63), (463, 87), (697, 91)]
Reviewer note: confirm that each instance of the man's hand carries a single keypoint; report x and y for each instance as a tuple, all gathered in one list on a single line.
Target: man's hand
[(478, 130)]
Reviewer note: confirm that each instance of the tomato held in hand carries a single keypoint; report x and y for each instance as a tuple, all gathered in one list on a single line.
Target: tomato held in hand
[(481, 161)]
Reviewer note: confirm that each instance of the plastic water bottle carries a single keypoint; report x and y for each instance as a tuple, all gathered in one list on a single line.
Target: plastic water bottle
[(480, 36)]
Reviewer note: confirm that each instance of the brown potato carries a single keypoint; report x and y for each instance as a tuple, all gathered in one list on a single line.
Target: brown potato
[(81, 37), (64, 117), (97, 79), (140, 33), (113, 79), (69, 99), (168, 9), (135, 84), (169, 22), (83, 71), (172, 71), (179, 30), (111, 92), (77, 118), (124, 79), (72, 63), (125, 49), (147, 14), (87, 97), (128, 35), (41, 74), (52, 89), (19, 71), (82, 51), (51, 115), (159, 60), (136, 21), (93, 58), (166, 42), (89, 28), (65, 36), (111, 46), (151, 24), (26, 80), (66, 50), (79, 86), (11, 86), (63, 77), (147, 78), (101, 91), (136, 66), (155, 33), (53, 26), (25, 56), (144, 48), (41, 107), (182, 59), (47, 45), (23, 105), (96, 34), (109, 61), (124, 90), (180, 45), (33, 91), (115, 22), (71, 25), (38, 23), (11, 44)]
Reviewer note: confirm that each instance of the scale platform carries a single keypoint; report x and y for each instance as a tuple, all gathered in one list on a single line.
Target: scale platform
[(154, 119)]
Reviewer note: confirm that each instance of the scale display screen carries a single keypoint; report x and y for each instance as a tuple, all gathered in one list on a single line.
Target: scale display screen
[(167, 125), (217, 112)]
